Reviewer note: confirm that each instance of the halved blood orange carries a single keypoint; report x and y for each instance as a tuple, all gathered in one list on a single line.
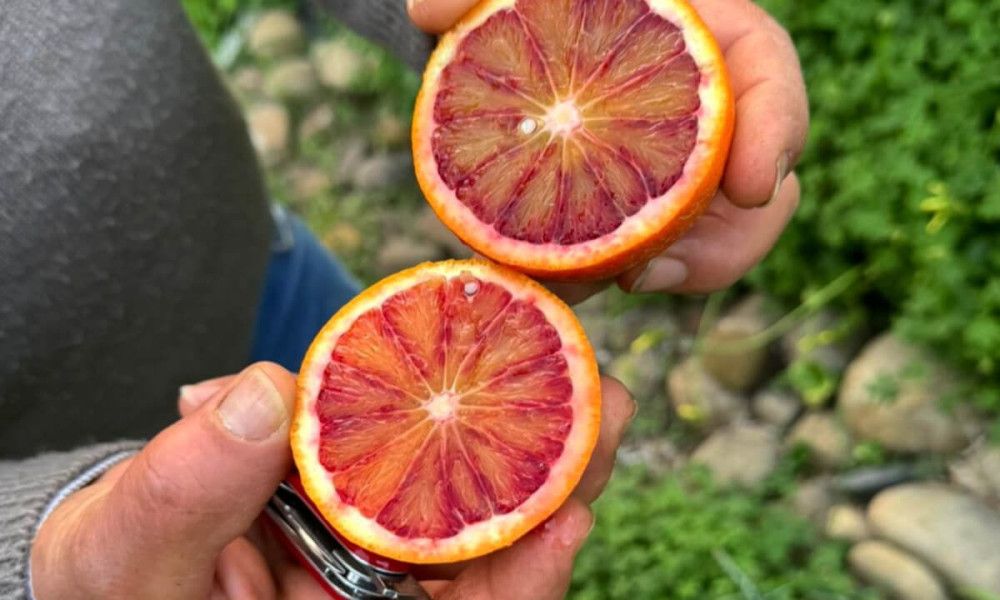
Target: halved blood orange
[(445, 412), (573, 139)]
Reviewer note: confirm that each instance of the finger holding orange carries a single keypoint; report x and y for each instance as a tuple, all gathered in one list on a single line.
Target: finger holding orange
[(725, 243), (769, 131), (573, 140), (772, 112), (437, 16), (772, 121)]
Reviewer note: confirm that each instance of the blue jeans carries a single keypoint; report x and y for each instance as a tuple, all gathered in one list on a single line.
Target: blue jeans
[(304, 287)]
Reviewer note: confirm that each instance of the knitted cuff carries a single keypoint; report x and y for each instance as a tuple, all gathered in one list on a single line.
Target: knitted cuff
[(30, 489)]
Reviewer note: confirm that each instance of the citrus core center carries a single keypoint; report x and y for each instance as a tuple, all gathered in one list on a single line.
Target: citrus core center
[(442, 406), (563, 118)]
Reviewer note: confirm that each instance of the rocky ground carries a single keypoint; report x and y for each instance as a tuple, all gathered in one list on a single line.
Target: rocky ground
[(885, 463)]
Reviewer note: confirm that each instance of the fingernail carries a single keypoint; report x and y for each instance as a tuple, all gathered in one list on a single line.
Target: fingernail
[(661, 274), (575, 537), (196, 394), (641, 279), (633, 413), (781, 173), (253, 410), (567, 530)]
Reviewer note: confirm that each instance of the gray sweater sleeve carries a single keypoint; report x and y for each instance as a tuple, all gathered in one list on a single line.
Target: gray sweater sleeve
[(386, 23), (29, 489)]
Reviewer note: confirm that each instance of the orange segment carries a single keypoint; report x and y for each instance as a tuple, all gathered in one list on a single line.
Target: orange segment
[(471, 496), (656, 151), (525, 217), (420, 507), (465, 321), (663, 92), (510, 477), (416, 322), (517, 336), (552, 28), (367, 475), (645, 46), (349, 392), (573, 139), (533, 383), (372, 347), (597, 198), (475, 151), (501, 53), (445, 412), (540, 430), (499, 170)]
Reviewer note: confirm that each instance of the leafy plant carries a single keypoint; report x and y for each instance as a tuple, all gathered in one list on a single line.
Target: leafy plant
[(971, 594), (901, 172), (811, 380), (683, 538), (883, 389), (212, 18), (870, 453)]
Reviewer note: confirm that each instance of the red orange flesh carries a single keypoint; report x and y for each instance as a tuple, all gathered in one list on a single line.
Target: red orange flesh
[(573, 139), (445, 412)]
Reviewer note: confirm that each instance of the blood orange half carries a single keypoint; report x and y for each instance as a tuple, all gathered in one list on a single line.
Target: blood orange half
[(445, 412), (573, 139)]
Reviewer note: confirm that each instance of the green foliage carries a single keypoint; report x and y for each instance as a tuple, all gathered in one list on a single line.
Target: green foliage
[(812, 381), (683, 538), (970, 594), (901, 200), (869, 453), (212, 18), (883, 389), (902, 171)]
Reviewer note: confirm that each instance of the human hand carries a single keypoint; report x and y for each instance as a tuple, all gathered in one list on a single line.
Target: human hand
[(181, 519), (759, 191), (171, 522)]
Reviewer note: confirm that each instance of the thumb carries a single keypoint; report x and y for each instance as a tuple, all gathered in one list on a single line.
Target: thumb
[(202, 482)]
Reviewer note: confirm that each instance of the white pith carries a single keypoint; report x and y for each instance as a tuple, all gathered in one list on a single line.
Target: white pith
[(563, 118)]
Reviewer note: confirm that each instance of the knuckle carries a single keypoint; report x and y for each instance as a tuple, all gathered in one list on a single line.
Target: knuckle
[(158, 488), (621, 409), (781, 35), (770, 24), (172, 495)]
